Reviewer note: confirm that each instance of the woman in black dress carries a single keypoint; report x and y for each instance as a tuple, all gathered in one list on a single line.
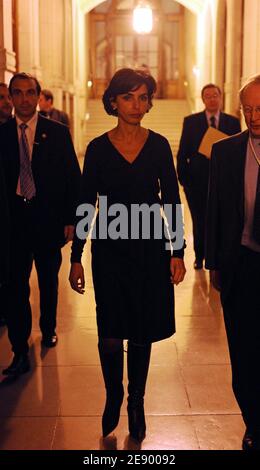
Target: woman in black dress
[(133, 270)]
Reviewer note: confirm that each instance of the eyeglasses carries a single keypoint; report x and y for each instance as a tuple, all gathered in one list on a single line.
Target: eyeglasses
[(248, 110), (209, 97)]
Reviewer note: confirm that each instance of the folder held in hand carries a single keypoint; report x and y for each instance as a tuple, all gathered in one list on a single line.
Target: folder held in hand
[(211, 136)]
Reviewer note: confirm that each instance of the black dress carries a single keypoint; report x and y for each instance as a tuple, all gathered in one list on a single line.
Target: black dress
[(133, 292)]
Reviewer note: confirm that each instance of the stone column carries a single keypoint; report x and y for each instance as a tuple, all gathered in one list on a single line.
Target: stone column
[(233, 55), (63, 60), (7, 54), (28, 37), (251, 46), (203, 71), (220, 44), (80, 59), (53, 47)]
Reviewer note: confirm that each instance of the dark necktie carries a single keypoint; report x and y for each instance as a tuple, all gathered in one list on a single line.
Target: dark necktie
[(256, 221), (212, 121), (26, 177)]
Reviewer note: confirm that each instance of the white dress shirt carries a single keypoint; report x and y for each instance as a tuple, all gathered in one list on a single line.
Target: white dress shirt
[(250, 181)]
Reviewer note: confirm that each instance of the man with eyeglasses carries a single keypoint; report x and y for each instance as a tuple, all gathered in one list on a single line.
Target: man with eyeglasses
[(233, 251), (193, 167), (42, 177)]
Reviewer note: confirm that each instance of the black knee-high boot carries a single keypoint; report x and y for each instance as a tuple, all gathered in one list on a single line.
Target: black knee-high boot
[(138, 359), (112, 364)]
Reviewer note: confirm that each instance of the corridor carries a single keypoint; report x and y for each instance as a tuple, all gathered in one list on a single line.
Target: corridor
[(189, 403)]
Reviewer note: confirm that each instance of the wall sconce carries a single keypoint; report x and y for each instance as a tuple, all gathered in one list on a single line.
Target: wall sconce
[(143, 18)]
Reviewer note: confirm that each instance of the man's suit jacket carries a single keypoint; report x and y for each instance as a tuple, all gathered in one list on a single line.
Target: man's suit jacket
[(5, 231), (60, 116), (56, 175), (57, 115), (225, 214), (193, 167)]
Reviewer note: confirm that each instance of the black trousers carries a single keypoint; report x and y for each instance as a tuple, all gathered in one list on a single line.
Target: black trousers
[(24, 250), (242, 320), (197, 202)]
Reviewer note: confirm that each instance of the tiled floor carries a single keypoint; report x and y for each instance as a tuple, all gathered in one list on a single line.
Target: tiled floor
[(189, 402)]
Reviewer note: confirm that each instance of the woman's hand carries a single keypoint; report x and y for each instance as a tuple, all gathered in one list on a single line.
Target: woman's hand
[(76, 278), (178, 270)]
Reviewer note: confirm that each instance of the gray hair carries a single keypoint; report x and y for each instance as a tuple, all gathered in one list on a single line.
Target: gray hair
[(255, 80)]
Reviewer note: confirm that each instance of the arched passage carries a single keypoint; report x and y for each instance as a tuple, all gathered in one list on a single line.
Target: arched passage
[(169, 38), (196, 6)]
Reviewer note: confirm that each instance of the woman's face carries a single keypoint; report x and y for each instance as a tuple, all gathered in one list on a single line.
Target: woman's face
[(132, 106)]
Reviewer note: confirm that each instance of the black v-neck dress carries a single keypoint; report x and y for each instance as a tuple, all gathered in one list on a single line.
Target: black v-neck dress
[(133, 292)]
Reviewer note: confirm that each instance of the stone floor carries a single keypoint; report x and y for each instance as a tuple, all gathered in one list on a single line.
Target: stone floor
[(189, 402)]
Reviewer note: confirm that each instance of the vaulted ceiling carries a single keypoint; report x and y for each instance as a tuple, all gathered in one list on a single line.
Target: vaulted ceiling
[(196, 6)]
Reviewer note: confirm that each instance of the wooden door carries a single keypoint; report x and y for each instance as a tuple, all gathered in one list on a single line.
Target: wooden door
[(114, 44)]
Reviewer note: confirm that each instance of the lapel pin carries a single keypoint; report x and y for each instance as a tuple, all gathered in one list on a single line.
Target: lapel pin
[(44, 136)]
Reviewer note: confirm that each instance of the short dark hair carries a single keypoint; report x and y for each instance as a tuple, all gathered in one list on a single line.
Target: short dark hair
[(210, 85), (254, 80), (3, 85), (48, 95), (125, 80), (24, 76)]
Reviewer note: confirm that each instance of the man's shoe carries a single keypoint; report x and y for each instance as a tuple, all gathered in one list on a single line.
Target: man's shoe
[(251, 440), (49, 341), (20, 365), (247, 442), (198, 264)]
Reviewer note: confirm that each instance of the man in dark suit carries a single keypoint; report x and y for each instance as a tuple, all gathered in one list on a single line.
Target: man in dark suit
[(6, 108), (46, 108), (233, 253), (193, 167), (5, 103), (42, 176), (4, 233)]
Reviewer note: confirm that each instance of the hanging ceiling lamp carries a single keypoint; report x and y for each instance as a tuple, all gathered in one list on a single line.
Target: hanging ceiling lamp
[(143, 18)]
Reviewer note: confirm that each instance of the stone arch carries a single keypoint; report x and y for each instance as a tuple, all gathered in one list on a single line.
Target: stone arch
[(196, 6)]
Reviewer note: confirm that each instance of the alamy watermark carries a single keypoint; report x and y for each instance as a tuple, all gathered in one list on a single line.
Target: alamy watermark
[(140, 221)]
